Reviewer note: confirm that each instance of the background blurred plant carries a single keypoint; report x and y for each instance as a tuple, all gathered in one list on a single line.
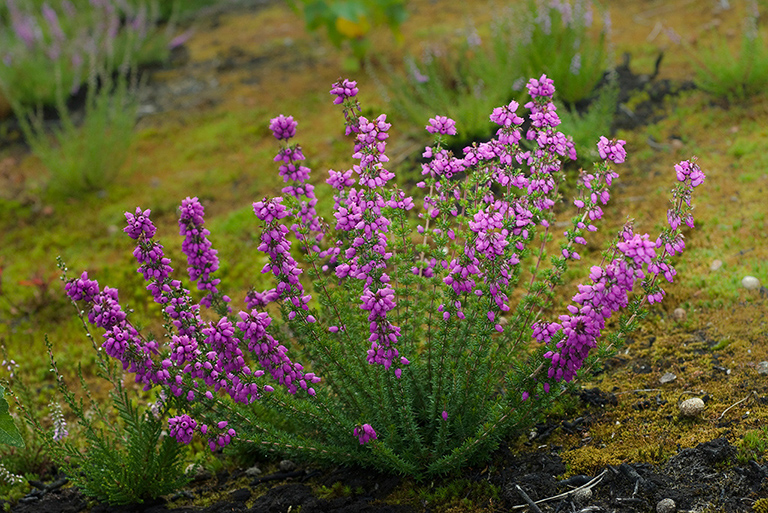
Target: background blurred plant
[(350, 21), (729, 75), (102, 46), (42, 36), (559, 38), (556, 38)]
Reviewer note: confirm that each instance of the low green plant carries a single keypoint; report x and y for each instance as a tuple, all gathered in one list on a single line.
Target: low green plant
[(85, 156), (27, 457), (734, 76), (127, 456), (753, 446)]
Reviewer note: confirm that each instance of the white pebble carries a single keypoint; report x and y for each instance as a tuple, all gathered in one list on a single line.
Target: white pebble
[(668, 377), (762, 368), (691, 407), (679, 314), (750, 283), (715, 265), (666, 506), (253, 472), (582, 496)]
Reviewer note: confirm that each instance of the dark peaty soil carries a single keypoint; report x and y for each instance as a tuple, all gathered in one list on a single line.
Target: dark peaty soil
[(705, 475)]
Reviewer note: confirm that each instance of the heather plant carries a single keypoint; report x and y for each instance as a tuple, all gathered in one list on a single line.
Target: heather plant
[(74, 153), (48, 46), (729, 75), (127, 457), (420, 332)]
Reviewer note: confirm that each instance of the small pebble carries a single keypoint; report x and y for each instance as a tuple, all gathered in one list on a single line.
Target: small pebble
[(715, 265), (667, 378), (197, 472), (691, 407), (582, 496), (666, 506), (253, 471), (762, 368), (287, 466), (750, 283), (679, 314)]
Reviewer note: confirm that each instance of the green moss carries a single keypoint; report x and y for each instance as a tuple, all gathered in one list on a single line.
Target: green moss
[(753, 446), (760, 505)]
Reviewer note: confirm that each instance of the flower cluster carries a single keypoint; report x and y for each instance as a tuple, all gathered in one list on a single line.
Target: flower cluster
[(283, 127), (360, 212), (201, 256), (59, 422), (209, 353), (499, 228), (611, 150), (671, 240), (577, 332), (344, 89), (441, 125), (299, 189), (182, 428)]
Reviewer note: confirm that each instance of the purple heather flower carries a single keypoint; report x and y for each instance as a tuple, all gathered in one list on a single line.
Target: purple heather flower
[(139, 225), (182, 428), (269, 210), (506, 116), (82, 289), (612, 150), (283, 127), (271, 355), (344, 89), (543, 87), (365, 433), (441, 125), (689, 170), (52, 19), (201, 257), (255, 299)]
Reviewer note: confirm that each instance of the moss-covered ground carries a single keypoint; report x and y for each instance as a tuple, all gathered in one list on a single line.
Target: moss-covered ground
[(220, 150)]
